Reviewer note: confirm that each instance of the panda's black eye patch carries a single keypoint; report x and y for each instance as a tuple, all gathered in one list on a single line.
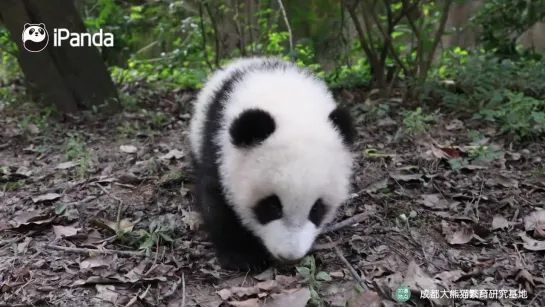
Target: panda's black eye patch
[(268, 209), (317, 212), (31, 31)]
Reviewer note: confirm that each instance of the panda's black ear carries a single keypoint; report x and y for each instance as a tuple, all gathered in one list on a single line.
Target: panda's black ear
[(251, 127), (342, 120), (42, 26), (27, 25)]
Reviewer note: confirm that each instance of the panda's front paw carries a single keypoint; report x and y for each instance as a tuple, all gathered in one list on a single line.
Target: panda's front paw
[(243, 262)]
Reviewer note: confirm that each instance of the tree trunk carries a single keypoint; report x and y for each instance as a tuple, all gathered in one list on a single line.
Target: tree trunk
[(71, 78)]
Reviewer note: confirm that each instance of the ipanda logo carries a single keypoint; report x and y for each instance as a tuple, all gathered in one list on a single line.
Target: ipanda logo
[(36, 38)]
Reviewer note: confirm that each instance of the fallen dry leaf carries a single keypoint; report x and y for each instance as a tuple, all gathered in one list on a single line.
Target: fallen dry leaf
[(32, 128), (406, 177), (473, 166), (499, 222), (225, 294), (265, 275), (444, 153), (462, 235), (46, 197), (455, 124), (128, 148), (524, 274), (504, 181), (434, 201), (531, 244), (66, 165), (31, 217), (535, 221), (191, 218), (379, 185), (387, 121), (295, 298), (450, 276), (141, 272), (64, 231), (93, 239), (285, 281), (173, 154), (367, 298), (124, 225), (97, 262), (253, 302), (107, 293), (338, 293), (512, 156), (22, 247), (129, 178), (417, 280)]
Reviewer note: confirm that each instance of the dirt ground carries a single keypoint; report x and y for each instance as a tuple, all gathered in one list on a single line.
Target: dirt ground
[(73, 215)]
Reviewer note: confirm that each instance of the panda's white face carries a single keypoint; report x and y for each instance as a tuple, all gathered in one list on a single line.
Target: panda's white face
[(287, 197), (290, 185), (34, 33)]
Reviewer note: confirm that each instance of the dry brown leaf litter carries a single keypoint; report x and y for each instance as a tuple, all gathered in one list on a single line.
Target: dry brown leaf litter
[(419, 223)]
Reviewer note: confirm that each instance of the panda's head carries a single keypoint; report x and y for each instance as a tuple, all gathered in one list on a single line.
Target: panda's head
[(34, 32), (286, 176)]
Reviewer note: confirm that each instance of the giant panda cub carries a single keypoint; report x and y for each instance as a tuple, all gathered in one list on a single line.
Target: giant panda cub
[(271, 154)]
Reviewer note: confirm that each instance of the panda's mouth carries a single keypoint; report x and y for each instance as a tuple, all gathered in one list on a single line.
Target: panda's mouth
[(289, 261), (286, 261)]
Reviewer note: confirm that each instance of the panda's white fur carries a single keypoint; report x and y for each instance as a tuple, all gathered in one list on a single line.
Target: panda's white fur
[(304, 159)]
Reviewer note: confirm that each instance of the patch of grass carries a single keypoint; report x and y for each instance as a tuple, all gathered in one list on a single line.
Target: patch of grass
[(12, 186), (478, 153), (41, 120), (76, 151), (155, 235), (157, 118), (506, 93), (129, 102), (516, 114), (415, 122), (127, 130), (307, 270)]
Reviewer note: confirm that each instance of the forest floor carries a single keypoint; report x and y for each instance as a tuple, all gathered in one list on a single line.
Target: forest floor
[(77, 200)]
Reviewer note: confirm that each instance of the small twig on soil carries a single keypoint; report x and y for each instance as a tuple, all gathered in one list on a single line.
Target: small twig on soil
[(119, 206), (86, 251), (535, 297), (479, 199), (519, 255), (325, 246), (183, 290), (349, 266), (17, 239), (345, 223)]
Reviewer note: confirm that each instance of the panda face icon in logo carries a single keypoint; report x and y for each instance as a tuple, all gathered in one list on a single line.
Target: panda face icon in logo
[(35, 37)]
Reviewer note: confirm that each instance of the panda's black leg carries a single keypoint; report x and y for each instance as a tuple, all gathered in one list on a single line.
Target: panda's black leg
[(244, 254), (236, 247)]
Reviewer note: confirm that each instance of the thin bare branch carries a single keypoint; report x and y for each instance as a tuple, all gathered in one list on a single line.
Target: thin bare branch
[(387, 36), (285, 16), (204, 49), (87, 251), (438, 34), (216, 33)]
